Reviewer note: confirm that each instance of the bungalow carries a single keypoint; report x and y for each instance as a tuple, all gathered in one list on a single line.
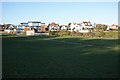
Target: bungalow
[(53, 27), (113, 26)]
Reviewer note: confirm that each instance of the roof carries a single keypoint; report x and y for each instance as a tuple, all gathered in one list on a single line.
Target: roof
[(114, 25), (8, 25), (34, 22), (53, 24), (23, 23), (63, 25), (87, 23), (42, 23)]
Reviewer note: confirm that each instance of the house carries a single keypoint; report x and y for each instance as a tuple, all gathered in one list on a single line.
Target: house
[(24, 24), (30, 32), (72, 26), (83, 27), (43, 27), (75, 26), (53, 27), (86, 24), (63, 27), (113, 26), (34, 25), (10, 28), (27, 29)]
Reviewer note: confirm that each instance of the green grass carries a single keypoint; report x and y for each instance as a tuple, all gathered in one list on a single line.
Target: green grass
[(59, 57)]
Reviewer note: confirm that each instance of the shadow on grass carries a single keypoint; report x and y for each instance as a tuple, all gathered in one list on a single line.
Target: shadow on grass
[(51, 59)]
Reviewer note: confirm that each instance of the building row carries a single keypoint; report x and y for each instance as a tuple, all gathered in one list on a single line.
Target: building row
[(39, 27)]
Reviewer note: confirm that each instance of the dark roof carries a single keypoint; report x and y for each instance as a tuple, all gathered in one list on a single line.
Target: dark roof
[(42, 23), (23, 23)]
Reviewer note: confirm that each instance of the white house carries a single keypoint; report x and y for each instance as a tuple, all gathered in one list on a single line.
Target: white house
[(10, 29), (34, 23), (30, 32), (86, 24), (113, 26), (72, 26), (83, 27)]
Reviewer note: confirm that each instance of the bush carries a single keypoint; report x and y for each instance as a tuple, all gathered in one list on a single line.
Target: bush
[(101, 34), (111, 34), (52, 32), (63, 33)]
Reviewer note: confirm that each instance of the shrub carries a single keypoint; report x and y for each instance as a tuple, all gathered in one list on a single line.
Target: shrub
[(111, 34), (90, 34), (100, 34), (63, 33), (52, 32)]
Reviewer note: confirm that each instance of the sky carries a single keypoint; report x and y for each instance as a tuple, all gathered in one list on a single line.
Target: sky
[(60, 12), (60, 0)]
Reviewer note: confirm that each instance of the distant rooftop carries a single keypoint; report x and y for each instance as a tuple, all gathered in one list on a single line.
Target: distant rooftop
[(34, 22), (23, 23)]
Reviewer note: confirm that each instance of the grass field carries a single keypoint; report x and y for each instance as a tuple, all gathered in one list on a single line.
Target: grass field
[(59, 57)]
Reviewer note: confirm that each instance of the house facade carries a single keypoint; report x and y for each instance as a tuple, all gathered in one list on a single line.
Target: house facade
[(34, 25), (63, 27), (43, 27), (10, 28), (113, 26), (53, 26), (83, 27)]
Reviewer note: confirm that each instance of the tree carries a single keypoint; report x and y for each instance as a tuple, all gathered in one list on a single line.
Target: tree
[(101, 27), (69, 25)]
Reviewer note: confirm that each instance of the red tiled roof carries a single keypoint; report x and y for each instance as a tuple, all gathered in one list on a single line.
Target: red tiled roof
[(53, 24), (114, 25)]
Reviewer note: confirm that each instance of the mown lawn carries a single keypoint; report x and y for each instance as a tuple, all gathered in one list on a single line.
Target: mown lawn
[(57, 57)]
